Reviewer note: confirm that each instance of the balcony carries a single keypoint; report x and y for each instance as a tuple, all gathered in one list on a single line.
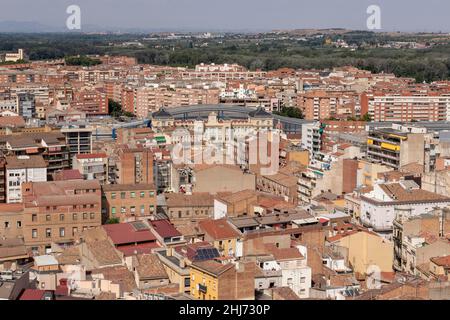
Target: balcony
[(382, 154)]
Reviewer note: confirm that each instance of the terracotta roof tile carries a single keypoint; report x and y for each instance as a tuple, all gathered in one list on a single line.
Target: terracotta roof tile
[(218, 229)]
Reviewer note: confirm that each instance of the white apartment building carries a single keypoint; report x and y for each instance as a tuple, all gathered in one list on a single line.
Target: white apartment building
[(379, 207), (311, 138), (295, 273), (20, 169), (92, 166)]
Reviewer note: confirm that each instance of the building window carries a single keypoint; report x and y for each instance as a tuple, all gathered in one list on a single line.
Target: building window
[(6, 224), (19, 224), (123, 210), (132, 209), (47, 217), (61, 217), (92, 215), (113, 195), (84, 216), (48, 233), (142, 194), (74, 231), (74, 216), (34, 217), (151, 193), (142, 209), (152, 208), (34, 233), (113, 210), (133, 194), (62, 232), (122, 195)]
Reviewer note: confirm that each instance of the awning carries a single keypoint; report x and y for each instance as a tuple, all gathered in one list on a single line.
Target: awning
[(160, 139)]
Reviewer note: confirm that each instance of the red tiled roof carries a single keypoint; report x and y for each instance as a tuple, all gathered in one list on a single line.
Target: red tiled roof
[(32, 294), (14, 121), (283, 253), (141, 248), (165, 229), (124, 233), (443, 261), (69, 174), (218, 229)]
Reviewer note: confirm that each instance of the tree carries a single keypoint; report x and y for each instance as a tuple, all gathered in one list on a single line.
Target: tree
[(115, 110), (82, 61), (290, 112), (112, 220), (366, 118)]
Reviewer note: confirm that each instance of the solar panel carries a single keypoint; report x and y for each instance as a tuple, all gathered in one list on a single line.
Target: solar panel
[(206, 254), (138, 225)]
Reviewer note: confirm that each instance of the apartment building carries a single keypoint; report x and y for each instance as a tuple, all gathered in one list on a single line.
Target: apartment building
[(395, 148), (26, 105), (21, 169), (78, 139), (58, 211), (91, 101), (128, 202), (212, 280), (150, 99), (365, 250), (295, 273), (281, 184), (197, 178), (380, 206), (92, 166), (312, 137), (332, 129), (223, 235), (413, 232), (51, 146), (182, 208), (411, 108), (237, 204), (321, 104), (11, 220), (134, 165)]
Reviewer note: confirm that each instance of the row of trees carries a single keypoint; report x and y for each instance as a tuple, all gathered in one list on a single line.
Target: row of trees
[(82, 61), (423, 65)]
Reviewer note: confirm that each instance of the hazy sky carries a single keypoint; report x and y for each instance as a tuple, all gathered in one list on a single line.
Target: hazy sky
[(396, 15)]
